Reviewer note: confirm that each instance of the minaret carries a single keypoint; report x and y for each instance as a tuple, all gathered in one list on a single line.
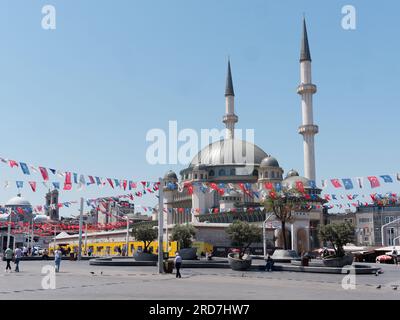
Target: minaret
[(229, 118), (306, 89)]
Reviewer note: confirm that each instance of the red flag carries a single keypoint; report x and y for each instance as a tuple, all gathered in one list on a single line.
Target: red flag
[(190, 190), (269, 186), (374, 182), (300, 186), (110, 182), (13, 163), (91, 180), (20, 210), (272, 194), (33, 185), (67, 182), (336, 183), (327, 197), (221, 192), (44, 173), (133, 185), (124, 184), (213, 186)]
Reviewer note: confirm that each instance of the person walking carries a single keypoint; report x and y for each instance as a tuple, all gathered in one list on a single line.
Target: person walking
[(269, 264), (57, 259), (178, 264), (17, 255), (8, 254)]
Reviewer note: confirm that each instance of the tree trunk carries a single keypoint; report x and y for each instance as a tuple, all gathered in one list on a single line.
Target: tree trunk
[(284, 235)]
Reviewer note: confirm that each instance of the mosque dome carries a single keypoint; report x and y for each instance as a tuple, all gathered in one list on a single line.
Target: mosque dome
[(229, 151), (290, 182), (292, 173), (269, 162), (170, 175), (18, 201)]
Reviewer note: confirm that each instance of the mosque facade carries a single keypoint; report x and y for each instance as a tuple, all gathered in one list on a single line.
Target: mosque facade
[(232, 161)]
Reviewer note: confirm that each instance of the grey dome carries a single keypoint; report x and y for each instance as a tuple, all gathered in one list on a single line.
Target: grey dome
[(170, 175), (199, 167), (229, 151), (269, 162), (18, 201), (290, 182), (292, 173)]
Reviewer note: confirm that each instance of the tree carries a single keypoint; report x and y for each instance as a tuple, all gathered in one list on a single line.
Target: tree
[(145, 233), (183, 234), (339, 234), (283, 205), (243, 235)]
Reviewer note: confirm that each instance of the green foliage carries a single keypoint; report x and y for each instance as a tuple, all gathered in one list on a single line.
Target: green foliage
[(339, 234), (243, 234), (145, 233), (183, 233), (283, 205)]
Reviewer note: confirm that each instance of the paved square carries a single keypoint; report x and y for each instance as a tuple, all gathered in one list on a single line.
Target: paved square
[(79, 280)]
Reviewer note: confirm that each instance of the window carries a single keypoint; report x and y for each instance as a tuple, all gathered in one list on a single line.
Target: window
[(255, 173), (195, 176), (233, 172), (201, 176), (211, 173), (221, 172), (272, 174)]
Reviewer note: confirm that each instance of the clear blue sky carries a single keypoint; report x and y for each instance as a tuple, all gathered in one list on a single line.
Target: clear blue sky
[(83, 97)]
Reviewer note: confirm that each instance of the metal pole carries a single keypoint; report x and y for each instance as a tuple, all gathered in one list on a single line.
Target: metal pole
[(55, 234), (166, 234), (86, 237), (385, 225), (80, 231), (160, 226), (28, 235), (265, 233), (9, 229), (33, 234), (127, 236)]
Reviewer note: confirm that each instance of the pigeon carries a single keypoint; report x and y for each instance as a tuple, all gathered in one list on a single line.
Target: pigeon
[(101, 273), (376, 274), (91, 272), (394, 288), (378, 287)]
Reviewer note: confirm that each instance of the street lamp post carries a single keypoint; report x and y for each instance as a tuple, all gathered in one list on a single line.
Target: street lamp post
[(265, 233), (80, 231), (127, 236), (9, 228), (385, 225), (160, 226)]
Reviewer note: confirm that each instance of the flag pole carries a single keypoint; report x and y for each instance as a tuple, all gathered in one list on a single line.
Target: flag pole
[(80, 231), (160, 227)]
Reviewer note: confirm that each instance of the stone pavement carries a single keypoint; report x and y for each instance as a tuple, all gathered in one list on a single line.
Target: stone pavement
[(79, 280)]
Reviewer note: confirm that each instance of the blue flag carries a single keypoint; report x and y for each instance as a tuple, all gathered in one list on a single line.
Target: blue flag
[(278, 187), (386, 178), (75, 178), (24, 168), (56, 185), (334, 197), (53, 171), (348, 184), (313, 185), (98, 180), (20, 184)]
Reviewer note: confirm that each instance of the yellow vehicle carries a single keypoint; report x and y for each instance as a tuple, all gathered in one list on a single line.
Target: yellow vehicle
[(117, 248)]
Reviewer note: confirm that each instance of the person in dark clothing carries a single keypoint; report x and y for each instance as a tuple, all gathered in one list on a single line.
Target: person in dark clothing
[(270, 263), (178, 264)]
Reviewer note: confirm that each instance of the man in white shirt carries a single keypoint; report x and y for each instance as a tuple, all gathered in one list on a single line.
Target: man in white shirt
[(178, 263)]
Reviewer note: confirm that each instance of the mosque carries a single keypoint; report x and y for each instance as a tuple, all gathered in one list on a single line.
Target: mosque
[(233, 161)]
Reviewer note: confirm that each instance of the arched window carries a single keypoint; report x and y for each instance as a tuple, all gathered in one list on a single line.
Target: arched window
[(211, 173), (195, 176), (233, 171), (221, 172), (272, 174), (255, 173)]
